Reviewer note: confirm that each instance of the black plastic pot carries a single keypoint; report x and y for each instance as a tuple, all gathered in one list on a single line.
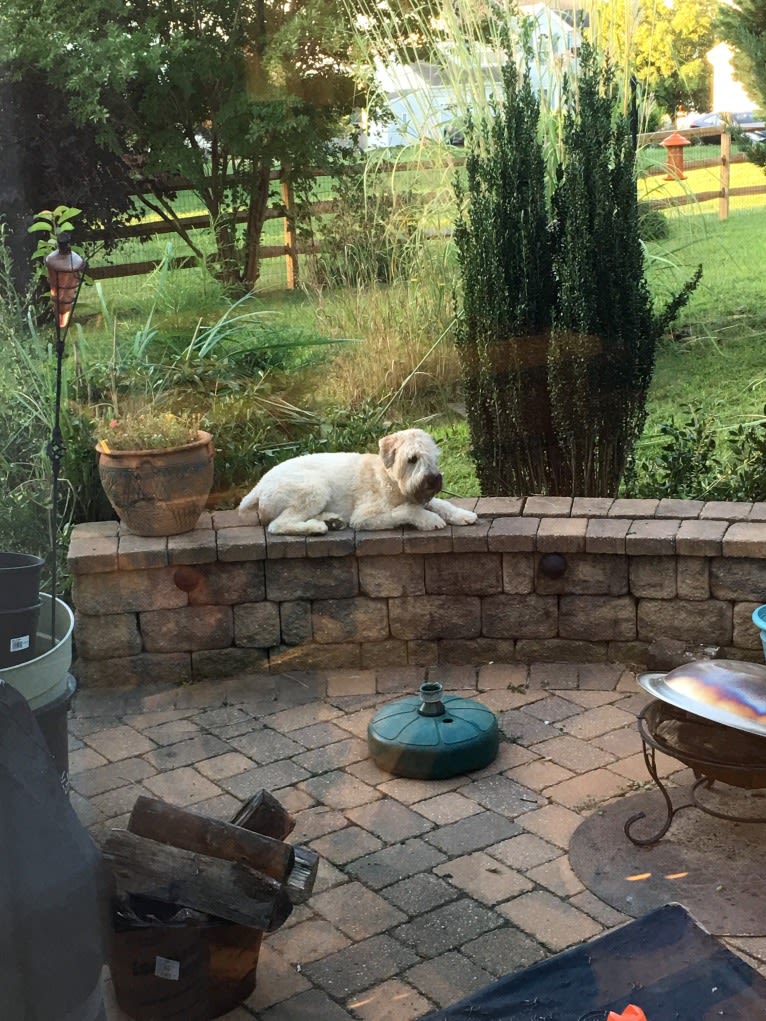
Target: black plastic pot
[(19, 580), (19, 607), (18, 635)]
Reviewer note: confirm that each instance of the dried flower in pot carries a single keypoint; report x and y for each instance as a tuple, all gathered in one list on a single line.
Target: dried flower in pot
[(156, 470)]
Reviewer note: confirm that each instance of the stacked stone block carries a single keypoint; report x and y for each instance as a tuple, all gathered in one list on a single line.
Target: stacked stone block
[(228, 598)]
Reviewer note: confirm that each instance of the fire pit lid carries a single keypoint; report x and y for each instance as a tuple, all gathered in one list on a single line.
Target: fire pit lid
[(726, 691)]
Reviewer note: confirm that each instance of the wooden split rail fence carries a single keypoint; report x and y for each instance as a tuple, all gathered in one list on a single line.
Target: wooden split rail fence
[(291, 250)]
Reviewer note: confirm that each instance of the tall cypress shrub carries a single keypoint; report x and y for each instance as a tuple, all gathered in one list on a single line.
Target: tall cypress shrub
[(504, 253), (556, 331), (604, 327)]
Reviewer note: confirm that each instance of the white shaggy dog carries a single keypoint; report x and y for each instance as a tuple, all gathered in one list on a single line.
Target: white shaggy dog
[(307, 495)]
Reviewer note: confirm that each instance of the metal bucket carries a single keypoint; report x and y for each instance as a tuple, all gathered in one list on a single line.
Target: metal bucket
[(45, 681)]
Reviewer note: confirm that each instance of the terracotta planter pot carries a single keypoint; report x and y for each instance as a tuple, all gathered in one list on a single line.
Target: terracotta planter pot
[(159, 492)]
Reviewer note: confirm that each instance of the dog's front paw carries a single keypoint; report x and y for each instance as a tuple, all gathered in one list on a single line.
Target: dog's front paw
[(430, 522), (463, 517)]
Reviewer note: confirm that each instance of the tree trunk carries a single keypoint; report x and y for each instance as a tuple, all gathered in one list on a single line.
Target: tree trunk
[(12, 192), (256, 217), (224, 229)]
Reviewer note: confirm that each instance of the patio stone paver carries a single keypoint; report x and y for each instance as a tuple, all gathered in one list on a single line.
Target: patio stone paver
[(92, 782), (550, 920), (453, 924), (284, 980), (409, 791), (557, 877), (391, 1001), (448, 978), (503, 951), (588, 790), (524, 851), (446, 808), (388, 865), (314, 821), (187, 752), (220, 766), (594, 722), (343, 846), (119, 743), (387, 818), (171, 732), (484, 878), (539, 774), (360, 965), (308, 941), (502, 795), (84, 758), (312, 1004), (264, 745), (426, 889), (421, 893), (320, 734), (553, 823), (357, 911), (572, 753), (333, 756), (283, 773), (338, 790), (472, 834), (183, 786)]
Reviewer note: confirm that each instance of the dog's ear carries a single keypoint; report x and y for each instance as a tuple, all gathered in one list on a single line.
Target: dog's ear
[(388, 446)]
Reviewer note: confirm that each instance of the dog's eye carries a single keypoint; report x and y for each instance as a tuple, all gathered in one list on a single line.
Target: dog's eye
[(413, 458)]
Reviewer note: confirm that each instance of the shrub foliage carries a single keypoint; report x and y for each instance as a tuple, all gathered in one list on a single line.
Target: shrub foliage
[(558, 332)]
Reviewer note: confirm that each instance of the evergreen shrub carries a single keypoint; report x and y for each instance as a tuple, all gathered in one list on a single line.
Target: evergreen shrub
[(557, 332)]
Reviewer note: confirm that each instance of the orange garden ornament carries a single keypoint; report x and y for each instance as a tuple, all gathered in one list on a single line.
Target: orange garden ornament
[(65, 272)]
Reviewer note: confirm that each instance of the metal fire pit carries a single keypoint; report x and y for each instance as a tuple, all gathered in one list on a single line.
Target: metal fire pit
[(711, 716)]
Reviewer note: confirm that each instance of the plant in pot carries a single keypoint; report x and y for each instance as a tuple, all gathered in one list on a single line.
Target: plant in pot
[(156, 468), (556, 329)]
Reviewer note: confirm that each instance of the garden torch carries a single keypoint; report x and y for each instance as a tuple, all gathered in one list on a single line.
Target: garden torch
[(66, 270)]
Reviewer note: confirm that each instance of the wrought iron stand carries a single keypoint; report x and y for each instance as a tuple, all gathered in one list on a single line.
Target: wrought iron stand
[(706, 771)]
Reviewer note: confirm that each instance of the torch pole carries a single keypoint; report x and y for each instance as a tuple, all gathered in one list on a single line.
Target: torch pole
[(64, 299)]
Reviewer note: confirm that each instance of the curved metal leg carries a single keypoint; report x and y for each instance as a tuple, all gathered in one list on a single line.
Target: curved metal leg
[(708, 783), (649, 760)]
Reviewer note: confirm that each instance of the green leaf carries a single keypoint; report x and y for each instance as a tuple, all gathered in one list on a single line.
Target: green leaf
[(40, 227), (66, 212)]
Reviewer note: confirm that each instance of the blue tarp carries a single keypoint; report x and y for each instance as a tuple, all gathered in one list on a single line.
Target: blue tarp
[(664, 963), (52, 903)]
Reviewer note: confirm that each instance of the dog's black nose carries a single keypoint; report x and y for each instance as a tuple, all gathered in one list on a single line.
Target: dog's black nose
[(435, 480)]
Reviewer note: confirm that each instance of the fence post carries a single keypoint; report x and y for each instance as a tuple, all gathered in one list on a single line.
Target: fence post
[(723, 202), (291, 241)]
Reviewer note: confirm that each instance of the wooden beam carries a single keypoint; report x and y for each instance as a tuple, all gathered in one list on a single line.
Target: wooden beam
[(223, 889), (160, 821), (264, 814)]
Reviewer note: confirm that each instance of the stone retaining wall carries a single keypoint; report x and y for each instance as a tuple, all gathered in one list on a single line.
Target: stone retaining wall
[(229, 598)]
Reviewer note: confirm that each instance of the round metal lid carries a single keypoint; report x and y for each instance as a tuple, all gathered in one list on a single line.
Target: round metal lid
[(726, 691)]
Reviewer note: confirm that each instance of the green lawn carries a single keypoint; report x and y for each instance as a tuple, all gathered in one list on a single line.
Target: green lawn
[(714, 359), (717, 354)]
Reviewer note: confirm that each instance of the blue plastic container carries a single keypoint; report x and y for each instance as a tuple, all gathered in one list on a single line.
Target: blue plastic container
[(759, 619)]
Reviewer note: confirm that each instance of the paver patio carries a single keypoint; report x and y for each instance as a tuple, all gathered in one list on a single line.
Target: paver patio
[(427, 890)]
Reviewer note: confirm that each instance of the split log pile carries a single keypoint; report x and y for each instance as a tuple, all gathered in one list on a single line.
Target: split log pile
[(240, 871)]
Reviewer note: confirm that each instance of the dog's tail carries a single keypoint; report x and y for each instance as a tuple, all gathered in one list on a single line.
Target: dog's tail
[(249, 503)]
